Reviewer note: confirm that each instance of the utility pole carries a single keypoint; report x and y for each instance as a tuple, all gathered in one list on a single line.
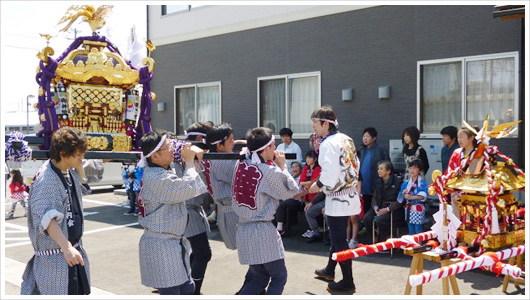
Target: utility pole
[(75, 30), (27, 111)]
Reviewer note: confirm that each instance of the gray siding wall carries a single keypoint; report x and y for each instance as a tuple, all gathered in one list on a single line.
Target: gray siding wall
[(361, 49)]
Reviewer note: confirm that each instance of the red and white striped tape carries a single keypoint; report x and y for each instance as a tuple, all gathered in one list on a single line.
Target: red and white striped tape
[(489, 259), (403, 242)]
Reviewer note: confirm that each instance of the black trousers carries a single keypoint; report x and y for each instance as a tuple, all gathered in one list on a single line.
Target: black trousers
[(200, 256), (292, 204), (132, 198), (337, 234)]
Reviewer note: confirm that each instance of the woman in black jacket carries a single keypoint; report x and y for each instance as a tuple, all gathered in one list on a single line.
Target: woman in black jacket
[(384, 201)]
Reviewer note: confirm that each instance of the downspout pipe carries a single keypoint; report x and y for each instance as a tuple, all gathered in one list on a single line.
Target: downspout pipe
[(522, 125)]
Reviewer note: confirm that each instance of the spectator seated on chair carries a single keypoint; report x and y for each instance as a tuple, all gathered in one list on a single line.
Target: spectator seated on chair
[(313, 210), (288, 208), (384, 202)]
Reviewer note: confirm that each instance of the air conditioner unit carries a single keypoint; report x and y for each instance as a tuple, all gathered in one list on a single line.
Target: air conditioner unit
[(432, 148)]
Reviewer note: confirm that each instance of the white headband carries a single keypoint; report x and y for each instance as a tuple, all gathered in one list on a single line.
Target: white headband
[(143, 161), (334, 122), (219, 141), (255, 155), (187, 134)]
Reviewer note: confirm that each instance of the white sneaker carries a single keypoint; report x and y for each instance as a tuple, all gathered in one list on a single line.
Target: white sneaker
[(309, 233), (353, 244)]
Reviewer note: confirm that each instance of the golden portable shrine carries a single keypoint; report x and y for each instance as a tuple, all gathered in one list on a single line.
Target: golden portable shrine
[(91, 87)]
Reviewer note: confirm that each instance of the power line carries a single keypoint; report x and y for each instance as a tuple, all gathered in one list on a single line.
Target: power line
[(17, 47), (22, 35)]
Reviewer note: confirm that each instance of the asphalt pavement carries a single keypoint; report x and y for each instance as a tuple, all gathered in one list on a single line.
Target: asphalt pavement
[(111, 240)]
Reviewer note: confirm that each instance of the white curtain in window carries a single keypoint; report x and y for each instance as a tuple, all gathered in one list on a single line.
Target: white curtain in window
[(441, 97), (272, 104), (186, 108), (490, 90), (303, 101), (208, 104)]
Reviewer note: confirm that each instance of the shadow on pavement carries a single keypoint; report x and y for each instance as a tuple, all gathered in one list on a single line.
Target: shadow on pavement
[(110, 215), (102, 189)]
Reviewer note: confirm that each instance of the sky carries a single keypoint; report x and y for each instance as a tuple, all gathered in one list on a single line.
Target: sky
[(21, 23)]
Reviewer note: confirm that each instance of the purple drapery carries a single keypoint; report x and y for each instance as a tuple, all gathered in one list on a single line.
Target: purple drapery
[(144, 125), (46, 105), (44, 77)]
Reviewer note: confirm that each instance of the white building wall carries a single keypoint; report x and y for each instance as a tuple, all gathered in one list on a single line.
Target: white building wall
[(205, 21)]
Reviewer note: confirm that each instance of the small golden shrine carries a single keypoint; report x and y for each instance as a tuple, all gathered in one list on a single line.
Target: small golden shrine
[(506, 228), (486, 181)]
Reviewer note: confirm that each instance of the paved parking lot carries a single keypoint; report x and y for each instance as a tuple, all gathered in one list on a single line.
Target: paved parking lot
[(111, 240)]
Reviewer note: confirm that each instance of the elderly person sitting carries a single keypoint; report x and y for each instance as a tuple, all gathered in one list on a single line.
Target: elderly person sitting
[(385, 202)]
